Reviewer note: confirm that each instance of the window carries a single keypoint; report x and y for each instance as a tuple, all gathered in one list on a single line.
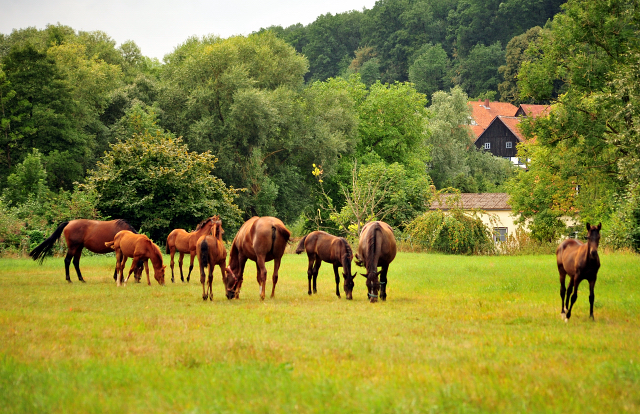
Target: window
[(500, 234), (487, 145), (509, 144)]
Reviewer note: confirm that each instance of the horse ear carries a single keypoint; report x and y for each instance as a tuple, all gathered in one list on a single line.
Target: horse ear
[(164, 267), (362, 274), (588, 227), (599, 226)]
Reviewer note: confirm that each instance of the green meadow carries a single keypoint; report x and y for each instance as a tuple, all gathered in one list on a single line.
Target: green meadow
[(456, 334)]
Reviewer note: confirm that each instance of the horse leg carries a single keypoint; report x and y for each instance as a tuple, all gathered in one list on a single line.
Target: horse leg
[(202, 280), (192, 254), (337, 275), (173, 252), (261, 275), (592, 297), (383, 282), (67, 262), (76, 264), (574, 297), (146, 269), (311, 258), (180, 265), (210, 281), (563, 289), (276, 267), (316, 269)]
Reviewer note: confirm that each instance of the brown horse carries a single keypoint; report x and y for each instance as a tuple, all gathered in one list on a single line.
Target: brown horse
[(376, 247), (140, 248), (92, 234), (182, 242), (260, 239), (581, 262), (211, 252), (322, 246)]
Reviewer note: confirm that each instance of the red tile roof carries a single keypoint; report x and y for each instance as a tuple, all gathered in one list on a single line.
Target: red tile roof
[(484, 112), (470, 201), (533, 111), (512, 122)]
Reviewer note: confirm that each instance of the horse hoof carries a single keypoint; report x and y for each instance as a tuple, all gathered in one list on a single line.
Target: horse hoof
[(309, 293), (69, 281), (82, 280)]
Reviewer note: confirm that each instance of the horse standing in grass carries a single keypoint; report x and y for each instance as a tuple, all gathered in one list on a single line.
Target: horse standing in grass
[(376, 247), (211, 252), (322, 246), (260, 239), (79, 234), (141, 249), (183, 242), (581, 262)]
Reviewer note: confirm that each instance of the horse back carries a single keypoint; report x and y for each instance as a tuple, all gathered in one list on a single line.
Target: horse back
[(377, 240), (93, 234), (568, 253)]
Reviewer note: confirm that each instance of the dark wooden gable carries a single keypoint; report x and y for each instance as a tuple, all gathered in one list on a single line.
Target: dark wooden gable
[(497, 135)]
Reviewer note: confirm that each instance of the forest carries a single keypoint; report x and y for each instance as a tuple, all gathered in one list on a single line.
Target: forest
[(356, 116)]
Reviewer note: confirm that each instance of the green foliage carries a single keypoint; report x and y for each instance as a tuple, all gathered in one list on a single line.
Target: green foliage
[(623, 230), (478, 72), (157, 185), (28, 180), (515, 55), (453, 231), (428, 72)]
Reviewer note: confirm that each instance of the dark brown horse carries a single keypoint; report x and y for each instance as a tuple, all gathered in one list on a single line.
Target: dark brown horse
[(179, 240), (376, 247), (141, 249), (211, 252), (322, 246), (92, 234), (581, 262), (260, 239)]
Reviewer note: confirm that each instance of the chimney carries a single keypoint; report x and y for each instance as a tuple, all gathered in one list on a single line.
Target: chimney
[(486, 103)]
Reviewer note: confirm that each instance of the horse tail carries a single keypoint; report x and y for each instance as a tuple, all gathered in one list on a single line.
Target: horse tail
[(300, 247), (273, 237), (204, 253), (43, 249), (372, 261), (110, 244)]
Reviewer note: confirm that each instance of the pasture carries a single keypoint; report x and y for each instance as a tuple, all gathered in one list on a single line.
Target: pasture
[(456, 334)]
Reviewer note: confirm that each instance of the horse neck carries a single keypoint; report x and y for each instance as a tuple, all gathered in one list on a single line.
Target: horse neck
[(218, 232), (155, 257), (204, 229)]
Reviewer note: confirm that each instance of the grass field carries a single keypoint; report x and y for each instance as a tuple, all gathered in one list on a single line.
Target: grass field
[(457, 334)]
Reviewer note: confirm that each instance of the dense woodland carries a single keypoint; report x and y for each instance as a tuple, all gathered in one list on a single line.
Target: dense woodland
[(356, 116)]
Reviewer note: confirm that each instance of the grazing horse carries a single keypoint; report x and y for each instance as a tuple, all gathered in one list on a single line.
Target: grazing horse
[(581, 262), (141, 249), (92, 234), (376, 247), (322, 246), (182, 242), (211, 252), (260, 239)]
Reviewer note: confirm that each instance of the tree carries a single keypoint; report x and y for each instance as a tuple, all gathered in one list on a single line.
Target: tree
[(591, 50), (429, 69), (515, 55), (477, 73), (154, 182), (28, 180)]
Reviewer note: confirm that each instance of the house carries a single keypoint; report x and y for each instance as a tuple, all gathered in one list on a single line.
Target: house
[(495, 126), (501, 138), (497, 214)]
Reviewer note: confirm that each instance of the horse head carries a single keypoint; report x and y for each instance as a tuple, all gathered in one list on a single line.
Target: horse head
[(373, 285), (159, 274), (349, 283), (593, 239), (230, 283)]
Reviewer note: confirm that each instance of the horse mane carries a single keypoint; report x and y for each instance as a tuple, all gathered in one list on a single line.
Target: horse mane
[(347, 257), (123, 224), (199, 226)]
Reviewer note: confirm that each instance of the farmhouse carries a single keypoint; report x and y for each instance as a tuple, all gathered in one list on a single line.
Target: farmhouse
[(495, 126), (497, 213)]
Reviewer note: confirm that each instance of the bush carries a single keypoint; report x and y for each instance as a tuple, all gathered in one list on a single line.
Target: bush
[(451, 231)]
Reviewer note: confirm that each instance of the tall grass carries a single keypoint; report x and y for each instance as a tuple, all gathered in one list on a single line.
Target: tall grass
[(457, 334)]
